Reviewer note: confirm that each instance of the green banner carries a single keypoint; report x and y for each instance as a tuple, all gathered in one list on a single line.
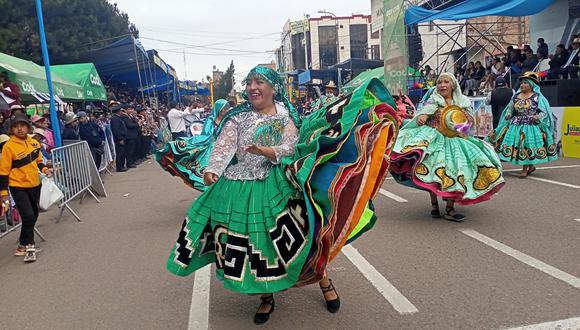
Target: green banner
[(395, 46), (85, 75), (31, 79)]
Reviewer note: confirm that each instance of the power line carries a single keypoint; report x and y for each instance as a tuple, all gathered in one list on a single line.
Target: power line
[(205, 47), (207, 32)]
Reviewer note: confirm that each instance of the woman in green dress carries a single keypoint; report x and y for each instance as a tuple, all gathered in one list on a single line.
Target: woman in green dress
[(524, 135), (283, 194), (434, 152)]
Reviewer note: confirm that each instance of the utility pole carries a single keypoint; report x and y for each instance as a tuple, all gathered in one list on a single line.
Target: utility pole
[(45, 57), (306, 21), (184, 65)]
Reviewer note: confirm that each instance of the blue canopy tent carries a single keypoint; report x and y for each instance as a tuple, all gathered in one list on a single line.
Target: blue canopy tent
[(480, 34), (123, 61), (126, 62), (476, 8), (324, 75), (188, 87), (162, 77)]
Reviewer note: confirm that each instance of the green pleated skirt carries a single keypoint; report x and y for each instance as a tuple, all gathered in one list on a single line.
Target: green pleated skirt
[(254, 233)]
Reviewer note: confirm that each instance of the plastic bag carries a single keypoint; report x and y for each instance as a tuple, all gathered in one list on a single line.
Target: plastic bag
[(49, 193)]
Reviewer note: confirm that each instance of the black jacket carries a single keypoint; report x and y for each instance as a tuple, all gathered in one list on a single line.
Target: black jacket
[(118, 128), (478, 74), (530, 64), (500, 97), (70, 133), (132, 127), (91, 133), (559, 60)]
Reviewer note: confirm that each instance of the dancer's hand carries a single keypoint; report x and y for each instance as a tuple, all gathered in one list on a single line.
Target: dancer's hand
[(209, 178), (254, 149), (508, 117), (422, 119)]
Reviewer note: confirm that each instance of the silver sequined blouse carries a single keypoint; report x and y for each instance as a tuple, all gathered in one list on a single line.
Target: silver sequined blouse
[(276, 131)]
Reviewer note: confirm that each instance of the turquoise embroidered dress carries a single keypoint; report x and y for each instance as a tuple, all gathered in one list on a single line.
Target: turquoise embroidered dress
[(462, 168), (527, 137)]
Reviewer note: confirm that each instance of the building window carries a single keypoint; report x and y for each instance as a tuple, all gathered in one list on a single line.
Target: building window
[(298, 51), (327, 45), (359, 40), (376, 52), (431, 26)]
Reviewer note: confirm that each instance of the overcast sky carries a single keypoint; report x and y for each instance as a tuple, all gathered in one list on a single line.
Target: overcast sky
[(244, 31)]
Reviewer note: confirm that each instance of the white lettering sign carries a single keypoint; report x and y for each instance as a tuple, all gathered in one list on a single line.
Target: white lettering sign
[(95, 80)]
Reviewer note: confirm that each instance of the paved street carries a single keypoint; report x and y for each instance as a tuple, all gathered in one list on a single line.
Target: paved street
[(514, 262)]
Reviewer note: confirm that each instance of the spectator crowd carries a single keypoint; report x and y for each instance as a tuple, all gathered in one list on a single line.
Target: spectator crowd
[(563, 63)]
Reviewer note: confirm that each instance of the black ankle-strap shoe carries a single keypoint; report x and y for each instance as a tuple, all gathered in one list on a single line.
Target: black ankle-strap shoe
[(331, 305), (261, 318)]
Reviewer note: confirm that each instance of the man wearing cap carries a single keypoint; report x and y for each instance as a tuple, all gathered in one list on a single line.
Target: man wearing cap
[(70, 131), (571, 66), (119, 130), (91, 132), (19, 166), (499, 99)]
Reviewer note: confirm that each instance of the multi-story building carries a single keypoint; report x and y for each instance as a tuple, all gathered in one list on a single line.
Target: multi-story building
[(318, 43), (217, 75)]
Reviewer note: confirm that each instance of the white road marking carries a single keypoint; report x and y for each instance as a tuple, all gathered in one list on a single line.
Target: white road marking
[(391, 294), (555, 182), (526, 259), (199, 309), (393, 196), (544, 168), (567, 324)]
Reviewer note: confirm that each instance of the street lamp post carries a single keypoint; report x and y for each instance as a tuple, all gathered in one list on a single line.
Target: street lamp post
[(210, 89), (306, 21)]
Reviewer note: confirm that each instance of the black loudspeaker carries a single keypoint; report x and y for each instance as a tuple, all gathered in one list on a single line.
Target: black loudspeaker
[(562, 93)]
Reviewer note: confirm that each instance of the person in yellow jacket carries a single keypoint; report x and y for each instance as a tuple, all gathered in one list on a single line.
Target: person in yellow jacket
[(20, 164)]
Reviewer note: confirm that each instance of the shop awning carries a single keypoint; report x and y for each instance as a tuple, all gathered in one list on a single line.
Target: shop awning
[(85, 75), (477, 8), (325, 75), (31, 79)]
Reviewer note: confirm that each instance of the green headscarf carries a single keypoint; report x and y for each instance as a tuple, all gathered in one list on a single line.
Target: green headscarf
[(273, 78), (218, 106)]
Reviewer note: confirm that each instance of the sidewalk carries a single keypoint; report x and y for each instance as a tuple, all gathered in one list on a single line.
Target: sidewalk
[(107, 272)]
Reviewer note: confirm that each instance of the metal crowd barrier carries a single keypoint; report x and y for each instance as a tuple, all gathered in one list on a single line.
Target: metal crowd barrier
[(108, 157), (73, 171)]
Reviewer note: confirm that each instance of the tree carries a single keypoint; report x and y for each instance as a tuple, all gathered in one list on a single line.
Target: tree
[(223, 88), (72, 27)]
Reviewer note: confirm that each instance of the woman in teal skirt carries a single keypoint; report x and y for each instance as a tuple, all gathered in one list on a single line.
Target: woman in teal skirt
[(284, 195), (434, 152), (184, 156), (524, 135)]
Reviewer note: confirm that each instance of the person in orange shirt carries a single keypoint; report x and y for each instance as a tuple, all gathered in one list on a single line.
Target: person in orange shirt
[(20, 164)]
